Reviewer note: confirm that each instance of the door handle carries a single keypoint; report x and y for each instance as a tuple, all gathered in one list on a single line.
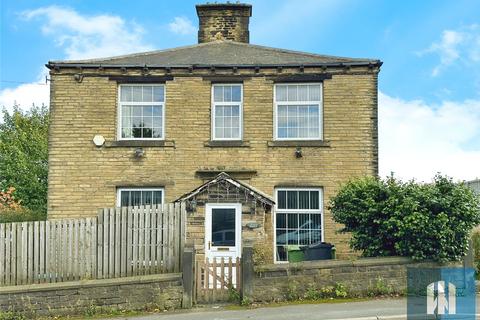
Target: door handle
[(209, 245)]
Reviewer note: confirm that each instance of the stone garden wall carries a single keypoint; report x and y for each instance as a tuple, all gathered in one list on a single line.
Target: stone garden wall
[(78, 297), (360, 277), (266, 283)]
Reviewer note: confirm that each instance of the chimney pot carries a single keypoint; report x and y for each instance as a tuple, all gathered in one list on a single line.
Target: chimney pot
[(228, 21)]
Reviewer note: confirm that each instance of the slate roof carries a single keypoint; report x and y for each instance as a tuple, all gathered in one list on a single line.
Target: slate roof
[(223, 176), (217, 53)]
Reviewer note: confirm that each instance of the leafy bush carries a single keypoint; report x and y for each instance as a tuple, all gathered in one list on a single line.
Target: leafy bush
[(12, 211), (21, 215), (422, 221), (8, 201), (476, 251)]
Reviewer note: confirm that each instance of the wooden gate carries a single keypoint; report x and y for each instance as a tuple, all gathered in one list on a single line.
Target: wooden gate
[(217, 280)]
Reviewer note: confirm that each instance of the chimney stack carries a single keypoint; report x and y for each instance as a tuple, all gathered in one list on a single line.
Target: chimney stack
[(224, 21)]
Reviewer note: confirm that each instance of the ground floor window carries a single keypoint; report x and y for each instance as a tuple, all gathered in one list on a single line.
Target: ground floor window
[(128, 197), (298, 219)]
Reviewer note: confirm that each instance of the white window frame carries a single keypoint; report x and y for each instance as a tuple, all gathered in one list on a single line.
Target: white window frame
[(119, 192), (120, 103), (320, 110), (233, 103), (277, 210)]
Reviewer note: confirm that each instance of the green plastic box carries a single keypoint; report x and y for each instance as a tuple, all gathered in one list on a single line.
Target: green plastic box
[(295, 254)]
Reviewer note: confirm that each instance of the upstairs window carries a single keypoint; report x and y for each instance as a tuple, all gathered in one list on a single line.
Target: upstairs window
[(298, 111), (134, 197), (142, 112), (227, 112)]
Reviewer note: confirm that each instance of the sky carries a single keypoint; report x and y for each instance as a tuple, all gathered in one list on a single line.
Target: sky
[(429, 86)]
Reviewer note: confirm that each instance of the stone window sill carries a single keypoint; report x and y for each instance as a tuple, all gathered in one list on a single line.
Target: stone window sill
[(227, 144), (299, 143), (140, 143)]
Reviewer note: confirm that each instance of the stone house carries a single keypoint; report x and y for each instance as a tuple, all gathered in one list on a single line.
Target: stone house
[(255, 139)]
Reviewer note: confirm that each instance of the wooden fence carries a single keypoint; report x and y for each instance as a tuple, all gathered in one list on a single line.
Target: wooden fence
[(214, 278), (119, 242)]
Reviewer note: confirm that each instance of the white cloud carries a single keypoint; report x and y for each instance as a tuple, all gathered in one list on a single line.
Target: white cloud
[(182, 25), (462, 45), (82, 36), (418, 140), (78, 37), (27, 94)]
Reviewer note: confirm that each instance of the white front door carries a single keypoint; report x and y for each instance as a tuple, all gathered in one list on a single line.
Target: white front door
[(223, 230), (223, 237)]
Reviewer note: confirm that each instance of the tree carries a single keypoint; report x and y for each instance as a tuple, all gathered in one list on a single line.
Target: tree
[(423, 221), (24, 156)]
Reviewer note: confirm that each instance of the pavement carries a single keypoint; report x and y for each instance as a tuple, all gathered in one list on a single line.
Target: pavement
[(382, 309)]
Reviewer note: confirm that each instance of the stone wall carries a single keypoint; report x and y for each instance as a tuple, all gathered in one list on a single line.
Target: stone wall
[(276, 282), (84, 178), (133, 293)]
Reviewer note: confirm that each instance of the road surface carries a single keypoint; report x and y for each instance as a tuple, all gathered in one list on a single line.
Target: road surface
[(386, 309)]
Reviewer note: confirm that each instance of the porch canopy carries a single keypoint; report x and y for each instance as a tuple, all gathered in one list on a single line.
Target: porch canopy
[(224, 188)]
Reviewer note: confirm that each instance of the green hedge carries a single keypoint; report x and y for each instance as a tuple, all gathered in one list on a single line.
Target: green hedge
[(476, 250), (423, 221)]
